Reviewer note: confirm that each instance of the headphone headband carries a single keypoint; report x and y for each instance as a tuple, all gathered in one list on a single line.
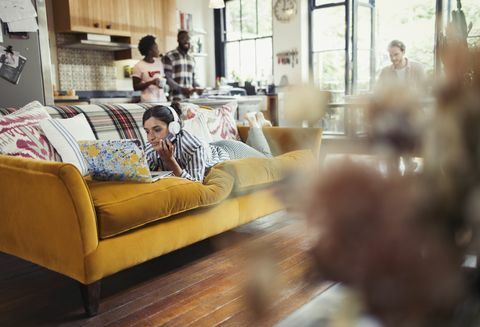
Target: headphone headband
[(174, 113), (174, 127)]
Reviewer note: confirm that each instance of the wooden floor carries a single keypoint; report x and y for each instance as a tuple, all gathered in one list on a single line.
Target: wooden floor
[(201, 285)]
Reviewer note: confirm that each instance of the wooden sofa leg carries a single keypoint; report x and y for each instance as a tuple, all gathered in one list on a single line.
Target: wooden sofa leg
[(91, 297)]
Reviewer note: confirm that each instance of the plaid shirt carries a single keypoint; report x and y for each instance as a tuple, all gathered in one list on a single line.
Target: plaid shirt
[(180, 68)]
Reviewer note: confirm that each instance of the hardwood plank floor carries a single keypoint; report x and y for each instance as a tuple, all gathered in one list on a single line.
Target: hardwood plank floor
[(201, 285)]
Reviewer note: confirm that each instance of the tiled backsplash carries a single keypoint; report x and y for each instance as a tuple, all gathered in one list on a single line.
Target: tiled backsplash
[(85, 70)]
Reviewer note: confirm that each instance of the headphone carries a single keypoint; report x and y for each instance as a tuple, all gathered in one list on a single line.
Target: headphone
[(174, 127)]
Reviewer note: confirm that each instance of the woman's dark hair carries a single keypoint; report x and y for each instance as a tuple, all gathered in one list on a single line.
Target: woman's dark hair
[(146, 43), (398, 44), (162, 113)]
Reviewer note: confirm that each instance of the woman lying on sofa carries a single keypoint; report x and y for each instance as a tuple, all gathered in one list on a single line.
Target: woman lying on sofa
[(171, 148)]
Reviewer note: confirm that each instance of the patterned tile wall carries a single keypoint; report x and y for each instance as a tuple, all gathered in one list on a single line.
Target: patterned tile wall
[(85, 70)]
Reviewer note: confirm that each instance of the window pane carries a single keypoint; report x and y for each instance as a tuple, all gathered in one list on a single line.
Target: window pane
[(249, 18), (412, 22), (247, 59), (329, 73), (329, 28), (265, 18), (232, 56), (471, 8), (363, 71), (264, 59), (232, 17), (364, 28)]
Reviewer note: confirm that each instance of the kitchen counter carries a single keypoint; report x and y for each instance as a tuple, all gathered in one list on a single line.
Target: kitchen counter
[(100, 97)]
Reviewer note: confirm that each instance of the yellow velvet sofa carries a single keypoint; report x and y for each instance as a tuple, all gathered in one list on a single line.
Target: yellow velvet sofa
[(87, 230)]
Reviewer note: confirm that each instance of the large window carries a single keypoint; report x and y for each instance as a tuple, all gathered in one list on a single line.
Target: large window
[(342, 46), (247, 40)]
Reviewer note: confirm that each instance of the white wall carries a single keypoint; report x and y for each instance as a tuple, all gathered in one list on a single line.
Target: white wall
[(288, 36)]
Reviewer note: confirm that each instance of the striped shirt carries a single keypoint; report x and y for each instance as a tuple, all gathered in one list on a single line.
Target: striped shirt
[(194, 157), (179, 67)]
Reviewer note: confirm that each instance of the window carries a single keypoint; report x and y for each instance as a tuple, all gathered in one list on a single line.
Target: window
[(247, 40), (349, 40), (342, 46)]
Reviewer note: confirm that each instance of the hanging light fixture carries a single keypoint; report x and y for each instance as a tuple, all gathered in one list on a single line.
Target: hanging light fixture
[(216, 4)]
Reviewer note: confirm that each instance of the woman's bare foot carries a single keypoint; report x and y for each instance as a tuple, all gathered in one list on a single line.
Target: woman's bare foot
[(262, 121), (252, 119)]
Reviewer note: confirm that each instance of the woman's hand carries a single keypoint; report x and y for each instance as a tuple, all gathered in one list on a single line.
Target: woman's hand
[(167, 154), (167, 151)]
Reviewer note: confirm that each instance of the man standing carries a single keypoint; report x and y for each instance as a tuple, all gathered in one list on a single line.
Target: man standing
[(179, 68), (402, 70)]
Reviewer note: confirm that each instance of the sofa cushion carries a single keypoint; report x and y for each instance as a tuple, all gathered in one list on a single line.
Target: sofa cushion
[(122, 206), (21, 136), (254, 173)]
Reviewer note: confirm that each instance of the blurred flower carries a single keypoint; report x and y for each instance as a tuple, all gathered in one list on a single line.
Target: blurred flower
[(371, 238)]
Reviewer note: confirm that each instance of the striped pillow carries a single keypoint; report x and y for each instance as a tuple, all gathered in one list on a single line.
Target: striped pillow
[(63, 134)]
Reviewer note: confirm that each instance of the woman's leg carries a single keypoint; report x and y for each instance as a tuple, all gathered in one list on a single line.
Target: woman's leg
[(256, 139)]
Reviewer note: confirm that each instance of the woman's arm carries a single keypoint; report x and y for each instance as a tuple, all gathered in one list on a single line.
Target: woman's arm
[(138, 85), (194, 169)]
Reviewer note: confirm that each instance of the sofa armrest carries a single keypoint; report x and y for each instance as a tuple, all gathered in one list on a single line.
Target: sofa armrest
[(286, 139), (46, 214)]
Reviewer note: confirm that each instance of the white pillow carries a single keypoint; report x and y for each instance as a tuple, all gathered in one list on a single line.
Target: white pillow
[(63, 134), (29, 107)]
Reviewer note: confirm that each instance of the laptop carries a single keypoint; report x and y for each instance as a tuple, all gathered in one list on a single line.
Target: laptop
[(119, 160)]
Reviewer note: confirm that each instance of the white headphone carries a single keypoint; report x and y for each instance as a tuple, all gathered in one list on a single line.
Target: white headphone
[(174, 127)]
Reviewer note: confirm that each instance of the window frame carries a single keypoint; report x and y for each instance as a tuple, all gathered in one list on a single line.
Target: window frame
[(351, 40), (220, 24)]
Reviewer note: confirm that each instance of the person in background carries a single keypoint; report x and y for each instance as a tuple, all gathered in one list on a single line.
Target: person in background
[(179, 68), (402, 70), (148, 73)]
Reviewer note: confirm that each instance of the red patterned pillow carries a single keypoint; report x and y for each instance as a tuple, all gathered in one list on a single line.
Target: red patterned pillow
[(21, 136), (222, 124)]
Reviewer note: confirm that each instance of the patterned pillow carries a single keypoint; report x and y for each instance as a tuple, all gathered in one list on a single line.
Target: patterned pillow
[(116, 160), (220, 123), (21, 136)]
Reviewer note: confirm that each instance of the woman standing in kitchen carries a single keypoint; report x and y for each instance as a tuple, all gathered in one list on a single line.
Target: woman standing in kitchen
[(148, 75)]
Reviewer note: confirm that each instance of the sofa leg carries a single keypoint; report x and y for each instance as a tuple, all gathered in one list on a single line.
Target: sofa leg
[(91, 297)]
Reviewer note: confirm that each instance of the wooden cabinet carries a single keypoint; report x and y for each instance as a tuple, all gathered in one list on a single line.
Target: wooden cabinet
[(142, 22), (169, 24), (134, 18), (154, 17), (110, 17)]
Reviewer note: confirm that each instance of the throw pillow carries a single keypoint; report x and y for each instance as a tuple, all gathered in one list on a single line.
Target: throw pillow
[(221, 122), (20, 134), (116, 160), (63, 134), (211, 125)]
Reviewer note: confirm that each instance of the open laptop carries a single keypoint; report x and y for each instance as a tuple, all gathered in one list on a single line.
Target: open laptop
[(118, 160)]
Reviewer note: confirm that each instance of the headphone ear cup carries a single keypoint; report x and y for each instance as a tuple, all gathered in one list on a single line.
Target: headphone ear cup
[(174, 127)]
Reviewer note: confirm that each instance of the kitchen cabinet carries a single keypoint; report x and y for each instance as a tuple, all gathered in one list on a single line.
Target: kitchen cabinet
[(109, 17), (142, 22), (154, 17), (169, 24)]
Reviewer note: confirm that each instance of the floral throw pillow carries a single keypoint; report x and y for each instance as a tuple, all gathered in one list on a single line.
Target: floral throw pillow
[(222, 124), (20, 135)]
